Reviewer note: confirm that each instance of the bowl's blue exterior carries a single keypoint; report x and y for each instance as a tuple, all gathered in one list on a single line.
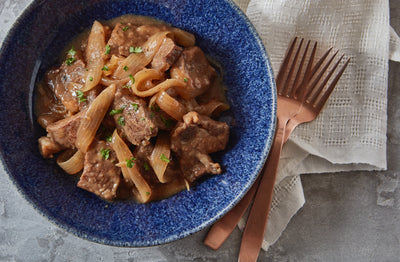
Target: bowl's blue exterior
[(222, 31)]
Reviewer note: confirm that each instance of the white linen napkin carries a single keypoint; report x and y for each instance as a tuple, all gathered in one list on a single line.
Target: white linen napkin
[(350, 132)]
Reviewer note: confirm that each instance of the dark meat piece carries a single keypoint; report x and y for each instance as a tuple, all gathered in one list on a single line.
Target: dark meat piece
[(65, 81), (193, 139), (48, 147), (133, 118), (166, 55), (127, 35), (100, 175), (63, 132), (193, 67)]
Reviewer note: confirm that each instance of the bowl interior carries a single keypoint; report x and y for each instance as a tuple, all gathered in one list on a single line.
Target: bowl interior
[(222, 31)]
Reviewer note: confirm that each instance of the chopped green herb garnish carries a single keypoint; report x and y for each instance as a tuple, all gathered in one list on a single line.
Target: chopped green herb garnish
[(126, 68), (148, 193), (167, 121), (90, 78), (126, 86), (105, 68), (146, 166), (132, 79), (135, 50), (121, 120), (135, 106), (164, 158), (108, 49), (69, 61), (86, 69), (105, 153), (152, 115), (109, 138), (130, 162), (143, 119), (117, 111), (125, 28), (71, 52), (185, 79), (81, 96)]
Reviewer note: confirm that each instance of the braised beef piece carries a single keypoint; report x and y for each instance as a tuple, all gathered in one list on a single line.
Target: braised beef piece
[(166, 55), (127, 35), (63, 132), (65, 81), (193, 139), (162, 120), (193, 67), (100, 175), (48, 147), (132, 117)]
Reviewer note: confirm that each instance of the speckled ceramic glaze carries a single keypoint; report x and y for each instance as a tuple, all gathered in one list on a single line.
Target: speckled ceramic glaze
[(223, 32)]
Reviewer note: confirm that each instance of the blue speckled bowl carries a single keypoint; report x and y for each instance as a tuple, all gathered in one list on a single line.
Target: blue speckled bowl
[(222, 31)]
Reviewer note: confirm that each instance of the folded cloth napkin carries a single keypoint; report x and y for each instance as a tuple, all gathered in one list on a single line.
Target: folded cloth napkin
[(350, 132)]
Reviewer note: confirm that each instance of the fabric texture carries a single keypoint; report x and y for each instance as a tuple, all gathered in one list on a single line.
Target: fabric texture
[(350, 132)]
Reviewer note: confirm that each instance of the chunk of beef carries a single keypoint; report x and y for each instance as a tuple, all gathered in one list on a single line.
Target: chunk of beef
[(128, 35), (133, 117), (48, 147), (100, 175), (193, 67), (63, 132), (193, 139), (166, 55), (65, 81)]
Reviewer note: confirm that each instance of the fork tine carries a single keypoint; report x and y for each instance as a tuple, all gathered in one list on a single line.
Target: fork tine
[(299, 92), (320, 61), (310, 94), (285, 63), (329, 90), (296, 80), (292, 67), (318, 90)]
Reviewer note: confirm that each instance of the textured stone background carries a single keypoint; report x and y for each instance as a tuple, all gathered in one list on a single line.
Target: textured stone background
[(347, 217)]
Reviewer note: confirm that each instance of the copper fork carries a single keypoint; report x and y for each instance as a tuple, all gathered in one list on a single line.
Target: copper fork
[(300, 90)]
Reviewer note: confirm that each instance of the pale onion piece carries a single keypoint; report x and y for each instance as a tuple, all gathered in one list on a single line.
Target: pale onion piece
[(141, 79), (71, 162), (93, 117), (161, 150), (136, 62), (183, 38), (94, 56), (212, 108), (130, 174), (170, 105), (118, 82), (187, 185), (111, 65), (166, 190)]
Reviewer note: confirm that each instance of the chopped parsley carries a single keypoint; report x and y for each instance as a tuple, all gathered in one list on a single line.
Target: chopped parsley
[(132, 79), (121, 120), (185, 79), (152, 115), (146, 166), (109, 138), (164, 158), (117, 111), (69, 61), (125, 28), (126, 86), (125, 68), (130, 162), (167, 121), (90, 78), (143, 119), (81, 96), (105, 153), (72, 52), (135, 50), (105, 68), (135, 106), (108, 49), (148, 193)]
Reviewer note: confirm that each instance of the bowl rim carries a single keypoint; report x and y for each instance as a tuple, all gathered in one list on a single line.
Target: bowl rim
[(266, 149)]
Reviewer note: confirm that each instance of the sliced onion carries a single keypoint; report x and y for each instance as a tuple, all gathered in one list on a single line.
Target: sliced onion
[(71, 161), (159, 158)]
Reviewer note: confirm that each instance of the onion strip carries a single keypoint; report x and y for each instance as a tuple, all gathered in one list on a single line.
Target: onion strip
[(71, 164), (131, 173), (159, 158), (170, 105), (93, 117)]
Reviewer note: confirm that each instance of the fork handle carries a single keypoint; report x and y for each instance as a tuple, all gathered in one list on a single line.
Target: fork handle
[(221, 230), (257, 222)]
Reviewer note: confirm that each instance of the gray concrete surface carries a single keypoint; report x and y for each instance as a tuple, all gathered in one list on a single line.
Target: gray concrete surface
[(347, 217)]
